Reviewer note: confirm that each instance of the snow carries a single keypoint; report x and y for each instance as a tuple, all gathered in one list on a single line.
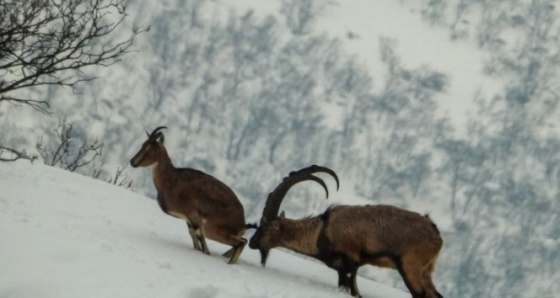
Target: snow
[(67, 235)]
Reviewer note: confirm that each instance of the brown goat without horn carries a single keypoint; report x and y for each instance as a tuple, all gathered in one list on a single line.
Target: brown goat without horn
[(347, 237), (210, 208)]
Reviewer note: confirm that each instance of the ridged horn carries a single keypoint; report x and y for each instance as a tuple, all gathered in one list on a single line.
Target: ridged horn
[(156, 133), (275, 198)]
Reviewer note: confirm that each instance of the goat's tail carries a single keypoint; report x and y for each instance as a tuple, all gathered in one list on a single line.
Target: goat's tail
[(433, 224), (251, 226)]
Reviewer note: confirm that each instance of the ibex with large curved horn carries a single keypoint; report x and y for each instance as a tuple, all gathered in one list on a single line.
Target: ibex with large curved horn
[(209, 207), (347, 237)]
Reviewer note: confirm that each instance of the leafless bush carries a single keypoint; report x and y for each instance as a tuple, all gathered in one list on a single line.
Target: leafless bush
[(69, 154), (121, 178)]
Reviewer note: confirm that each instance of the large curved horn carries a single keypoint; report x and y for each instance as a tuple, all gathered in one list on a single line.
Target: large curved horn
[(275, 198), (315, 169), (156, 134)]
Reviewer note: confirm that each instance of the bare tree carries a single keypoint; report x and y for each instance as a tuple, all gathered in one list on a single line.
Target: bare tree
[(51, 42)]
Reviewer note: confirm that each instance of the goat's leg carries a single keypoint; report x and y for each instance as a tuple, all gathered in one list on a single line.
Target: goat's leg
[(343, 280), (411, 273), (200, 235), (229, 252), (431, 291), (237, 249), (347, 282), (347, 270), (196, 243), (353, 285)]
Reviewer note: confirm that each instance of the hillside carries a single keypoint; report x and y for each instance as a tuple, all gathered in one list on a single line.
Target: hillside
[(66, 235)]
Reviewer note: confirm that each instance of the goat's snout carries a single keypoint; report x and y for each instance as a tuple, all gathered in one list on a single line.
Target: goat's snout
[(138, 158)]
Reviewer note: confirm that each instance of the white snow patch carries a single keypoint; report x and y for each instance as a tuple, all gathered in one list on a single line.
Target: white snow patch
[(67, 235)]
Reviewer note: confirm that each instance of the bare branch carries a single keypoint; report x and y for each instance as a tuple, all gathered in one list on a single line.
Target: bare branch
[(51, 42), (66, 154), (15, 154), (121, 178)]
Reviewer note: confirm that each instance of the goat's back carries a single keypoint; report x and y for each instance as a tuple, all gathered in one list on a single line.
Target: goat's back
[(379, 229)]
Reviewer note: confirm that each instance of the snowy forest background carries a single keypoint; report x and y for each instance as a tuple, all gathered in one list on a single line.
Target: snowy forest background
[(250, 92)]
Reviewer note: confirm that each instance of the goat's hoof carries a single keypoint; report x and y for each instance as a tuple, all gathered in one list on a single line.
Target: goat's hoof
[(344, 289), (228, 253)]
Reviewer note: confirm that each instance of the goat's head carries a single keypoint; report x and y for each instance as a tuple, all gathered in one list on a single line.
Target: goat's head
[(150, 150), (268, 233)]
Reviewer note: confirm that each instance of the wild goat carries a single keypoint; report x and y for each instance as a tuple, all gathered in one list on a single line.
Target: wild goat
[(210, 208), (347, 237)]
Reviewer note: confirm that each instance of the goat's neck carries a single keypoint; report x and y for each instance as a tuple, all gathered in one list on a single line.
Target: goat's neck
[(164, 173), (301, 235)]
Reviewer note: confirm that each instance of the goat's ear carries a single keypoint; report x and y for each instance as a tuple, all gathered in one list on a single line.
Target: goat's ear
[(282, 214), (161, 139)]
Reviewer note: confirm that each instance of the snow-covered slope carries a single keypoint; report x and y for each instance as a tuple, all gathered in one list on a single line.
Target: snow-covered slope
[(66, 235)]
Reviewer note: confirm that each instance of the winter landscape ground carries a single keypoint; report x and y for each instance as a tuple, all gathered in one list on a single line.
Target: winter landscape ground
[(66, 235)]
